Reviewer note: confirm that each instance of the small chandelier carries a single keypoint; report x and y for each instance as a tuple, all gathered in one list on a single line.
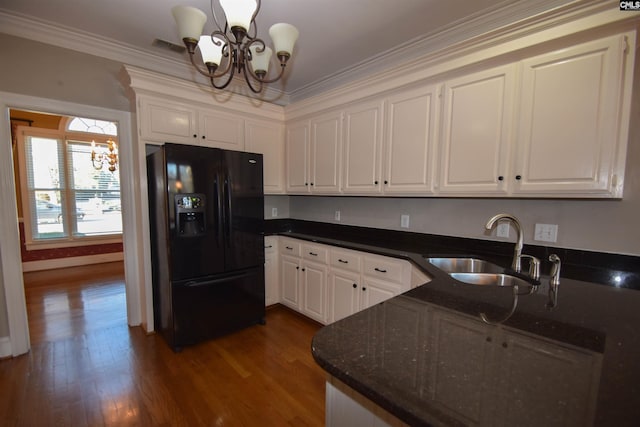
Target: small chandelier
[(243, 52), (108, 156)]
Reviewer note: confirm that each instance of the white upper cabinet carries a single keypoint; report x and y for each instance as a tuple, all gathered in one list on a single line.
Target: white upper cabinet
[(570, 109), (411, 118), (551, 125), (221, 130), (297, 158), (162, 120), (267, 138), (477, 125), (361, 157), (325, 155)]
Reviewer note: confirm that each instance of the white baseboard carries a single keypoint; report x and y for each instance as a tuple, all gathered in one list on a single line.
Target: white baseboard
[(49, 264), (5, 347)]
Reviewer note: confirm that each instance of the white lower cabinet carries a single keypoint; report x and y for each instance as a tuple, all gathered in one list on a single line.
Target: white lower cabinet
[(327, 283), (271, 271)]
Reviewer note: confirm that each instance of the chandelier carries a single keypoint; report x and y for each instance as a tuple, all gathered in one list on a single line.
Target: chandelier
[(235, 47), (101, 156)]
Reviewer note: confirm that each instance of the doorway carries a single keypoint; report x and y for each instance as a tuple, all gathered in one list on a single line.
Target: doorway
[(14, 318)]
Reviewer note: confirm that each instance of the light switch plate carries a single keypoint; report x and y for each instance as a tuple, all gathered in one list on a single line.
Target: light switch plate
[(546, 232), (337, 216), (274, 212), (404, 221)]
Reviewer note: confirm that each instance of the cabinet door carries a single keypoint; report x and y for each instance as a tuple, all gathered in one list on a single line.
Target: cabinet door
[(326, 143), (375, 291), (297, 158), (314, 294), (570, 109), (219, 130), (362, 150), (267, 139), (344, 294), (271, 267), (165, 121), (474, 149), (409, 141), (540, 380), (290, 277)]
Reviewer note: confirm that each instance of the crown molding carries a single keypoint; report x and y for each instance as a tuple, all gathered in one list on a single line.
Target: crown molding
[(474, 25), (145, 82), (577, 17), (56, 35)]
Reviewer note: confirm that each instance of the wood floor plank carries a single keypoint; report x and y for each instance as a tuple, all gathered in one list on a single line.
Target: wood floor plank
[(88, 368)]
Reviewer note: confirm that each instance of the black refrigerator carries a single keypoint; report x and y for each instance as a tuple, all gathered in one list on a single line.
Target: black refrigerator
[(206, 217)]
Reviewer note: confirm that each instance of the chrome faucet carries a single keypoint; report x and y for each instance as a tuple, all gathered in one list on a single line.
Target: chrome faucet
[(517, 251)]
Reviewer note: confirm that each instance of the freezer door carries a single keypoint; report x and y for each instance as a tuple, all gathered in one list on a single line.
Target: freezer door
[(207, 308), (243, 210)]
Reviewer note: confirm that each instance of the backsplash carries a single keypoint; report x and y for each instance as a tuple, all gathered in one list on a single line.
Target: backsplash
[(597, 267)]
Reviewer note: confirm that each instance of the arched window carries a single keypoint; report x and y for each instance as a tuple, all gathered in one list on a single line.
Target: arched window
[(81, 124)]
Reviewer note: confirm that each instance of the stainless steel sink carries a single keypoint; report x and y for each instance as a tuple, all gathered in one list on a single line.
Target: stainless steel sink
[(464, 265), (490, 279)]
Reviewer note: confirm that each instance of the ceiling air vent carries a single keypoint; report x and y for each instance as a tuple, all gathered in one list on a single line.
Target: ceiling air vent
[(163, 44)]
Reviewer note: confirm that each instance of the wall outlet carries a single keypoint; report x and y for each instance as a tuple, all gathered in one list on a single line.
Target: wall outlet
[(404, 221), (502, 229), (337, 216), (274, 212), (546, 232)]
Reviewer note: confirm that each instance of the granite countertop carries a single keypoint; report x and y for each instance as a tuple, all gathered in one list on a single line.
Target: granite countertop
[(427, 357)]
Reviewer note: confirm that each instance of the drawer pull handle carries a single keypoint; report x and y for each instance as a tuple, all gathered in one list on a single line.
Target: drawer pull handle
[(289, 248), (343, 261), (355, 285), (313, 254), (380, 270), (268, 247)]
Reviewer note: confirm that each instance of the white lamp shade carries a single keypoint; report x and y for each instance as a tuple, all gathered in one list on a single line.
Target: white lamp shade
[(190, 21), (284, 37), (260, 60), (209, 51), (239, 12)]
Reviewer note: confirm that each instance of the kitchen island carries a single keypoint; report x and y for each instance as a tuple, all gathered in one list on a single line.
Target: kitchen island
[(427, 358)]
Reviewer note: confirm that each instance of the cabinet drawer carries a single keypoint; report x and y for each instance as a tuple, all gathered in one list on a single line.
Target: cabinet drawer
[(384, 268), (270, 244), (289, 247), (345, 260), (317, 253)]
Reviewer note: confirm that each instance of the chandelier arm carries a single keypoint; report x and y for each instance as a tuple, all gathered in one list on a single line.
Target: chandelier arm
[(215, 17), (264, 80), (253, 21), (246, 73), (225, 84)]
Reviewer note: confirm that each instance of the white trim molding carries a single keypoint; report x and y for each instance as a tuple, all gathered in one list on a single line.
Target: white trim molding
[(10, 243), (50, 264)]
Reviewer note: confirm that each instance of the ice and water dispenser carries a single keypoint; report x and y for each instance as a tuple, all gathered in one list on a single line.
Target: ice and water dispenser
[(190, 215)]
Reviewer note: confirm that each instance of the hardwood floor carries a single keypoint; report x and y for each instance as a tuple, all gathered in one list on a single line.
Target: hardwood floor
[(88, 368)]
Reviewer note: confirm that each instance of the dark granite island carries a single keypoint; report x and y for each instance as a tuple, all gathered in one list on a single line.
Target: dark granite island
[(427, 358)]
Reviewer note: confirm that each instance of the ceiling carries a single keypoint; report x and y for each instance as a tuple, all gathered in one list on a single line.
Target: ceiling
[(339, 39)]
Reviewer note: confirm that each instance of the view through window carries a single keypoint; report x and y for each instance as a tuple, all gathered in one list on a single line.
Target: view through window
[(67, 197)]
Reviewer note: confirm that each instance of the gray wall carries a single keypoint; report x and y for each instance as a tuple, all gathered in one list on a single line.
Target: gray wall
[(45, 71)]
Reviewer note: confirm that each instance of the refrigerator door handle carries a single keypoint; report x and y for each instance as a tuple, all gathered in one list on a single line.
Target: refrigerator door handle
[(229, 215), (196, 283), (218, 213)]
